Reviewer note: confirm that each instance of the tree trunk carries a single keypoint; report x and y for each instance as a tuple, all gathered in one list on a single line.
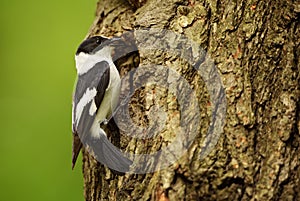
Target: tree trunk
[(256, 154)]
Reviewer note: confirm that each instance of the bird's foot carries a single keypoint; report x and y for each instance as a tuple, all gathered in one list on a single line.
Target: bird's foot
[(105, 122)]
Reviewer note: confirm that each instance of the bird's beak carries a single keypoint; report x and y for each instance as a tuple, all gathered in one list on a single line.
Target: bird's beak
[(115, 41)]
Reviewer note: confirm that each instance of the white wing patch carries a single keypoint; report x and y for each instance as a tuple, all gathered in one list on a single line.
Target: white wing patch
[(88, 96), (93, 108), (73, 111)]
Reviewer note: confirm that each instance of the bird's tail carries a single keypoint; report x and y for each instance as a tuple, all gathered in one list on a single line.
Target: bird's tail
[(75, 149), (108, 154)]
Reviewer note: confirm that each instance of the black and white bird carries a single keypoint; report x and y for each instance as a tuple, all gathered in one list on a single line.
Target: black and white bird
[(95, 98)]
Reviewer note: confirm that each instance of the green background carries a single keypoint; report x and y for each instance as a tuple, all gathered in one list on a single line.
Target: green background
[(38, 42)]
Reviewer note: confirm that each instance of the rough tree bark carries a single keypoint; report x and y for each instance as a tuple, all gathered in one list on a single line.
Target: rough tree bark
[(255, 47)]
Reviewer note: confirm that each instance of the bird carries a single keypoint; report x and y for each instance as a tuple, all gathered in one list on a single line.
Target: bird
[(95, 99)]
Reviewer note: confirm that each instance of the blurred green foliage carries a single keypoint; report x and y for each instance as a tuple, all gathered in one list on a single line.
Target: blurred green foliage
[(38, 42)]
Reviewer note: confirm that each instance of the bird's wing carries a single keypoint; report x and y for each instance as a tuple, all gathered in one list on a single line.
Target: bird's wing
[(88, 95)]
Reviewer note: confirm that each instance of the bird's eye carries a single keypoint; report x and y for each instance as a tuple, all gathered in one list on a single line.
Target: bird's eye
[(98, 41)]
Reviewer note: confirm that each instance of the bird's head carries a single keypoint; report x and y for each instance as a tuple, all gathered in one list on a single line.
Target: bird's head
[(96, 43)]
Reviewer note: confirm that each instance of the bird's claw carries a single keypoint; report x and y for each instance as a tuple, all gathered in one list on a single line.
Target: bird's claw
[(105, 122)]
